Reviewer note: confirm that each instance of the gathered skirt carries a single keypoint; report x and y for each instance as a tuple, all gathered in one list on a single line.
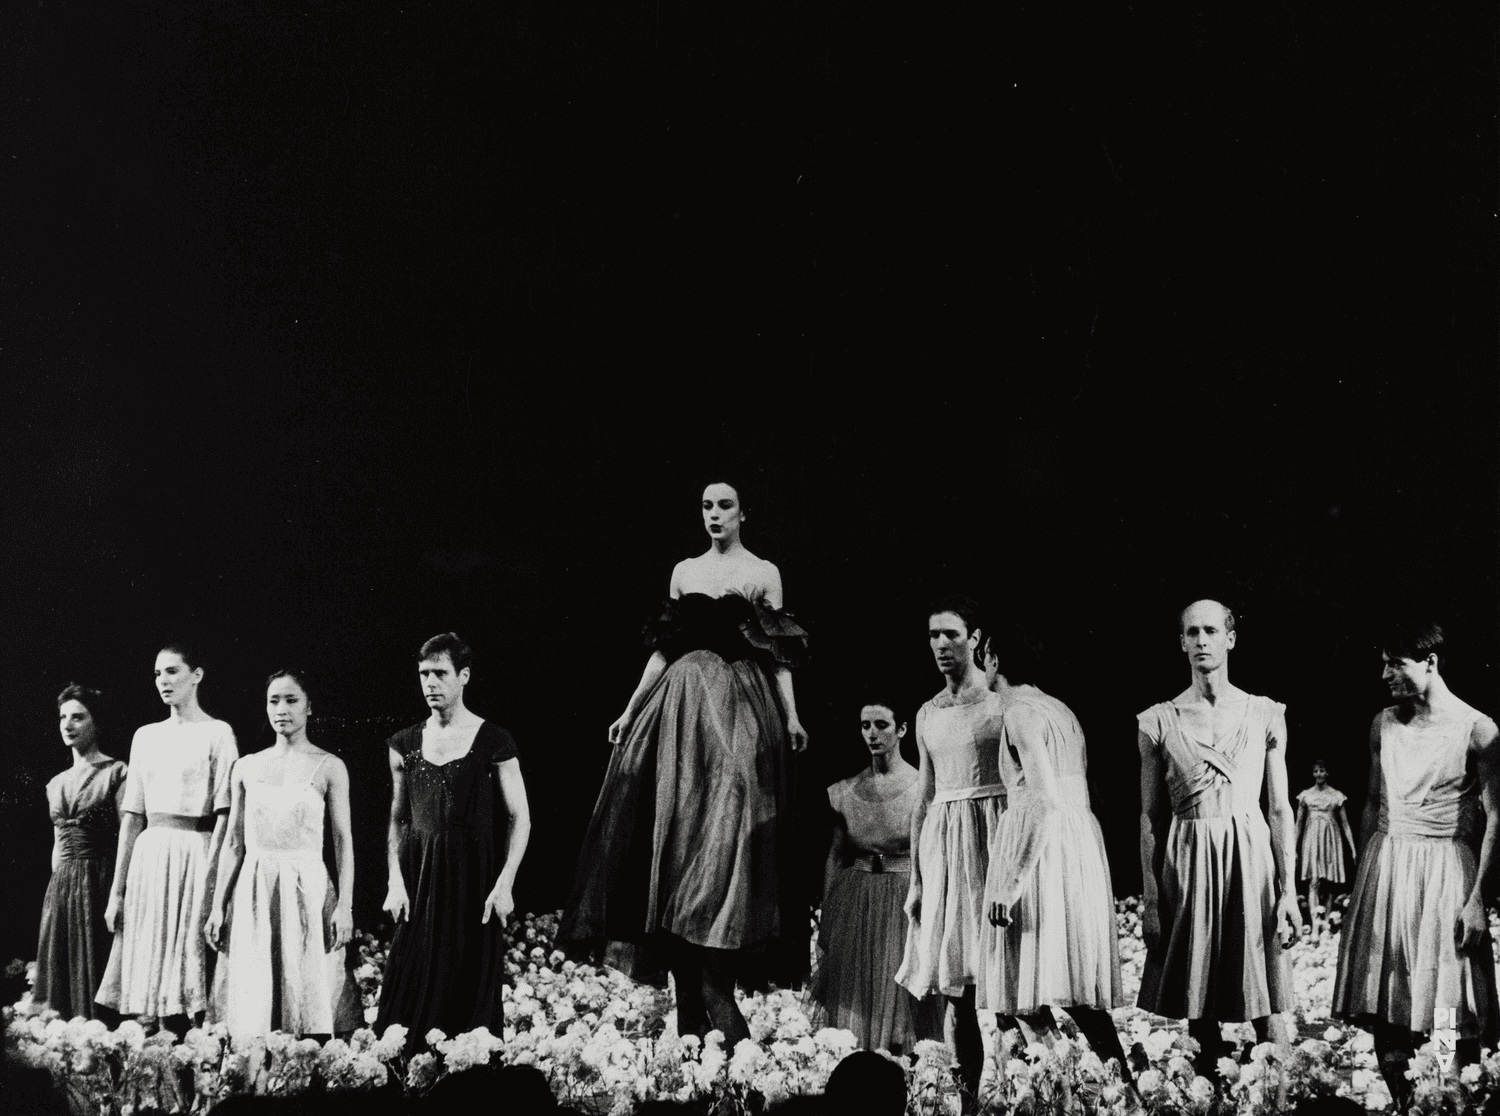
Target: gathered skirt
[(860, 945), (73, 945), (691, 833), (277, 973), (944, 951), (157, 964), (1398, 961), (1320, 854), (1219, 955), (1060, 948)]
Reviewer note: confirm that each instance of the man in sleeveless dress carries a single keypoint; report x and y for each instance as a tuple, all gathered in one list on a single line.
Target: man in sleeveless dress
[(1415, 956), (1219, 892)]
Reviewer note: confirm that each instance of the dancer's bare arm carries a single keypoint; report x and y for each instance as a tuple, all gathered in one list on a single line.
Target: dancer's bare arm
[(1343, 813), (1283, 849), (1370, 820), (337, 797), (1153, 814), (1025, 730), (397, 904), (836, 859), (231, 855), (927, 782), (501, 901), (1482, 743)]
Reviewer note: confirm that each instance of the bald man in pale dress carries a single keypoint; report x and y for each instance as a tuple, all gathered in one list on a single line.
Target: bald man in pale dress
[(1220, 894)]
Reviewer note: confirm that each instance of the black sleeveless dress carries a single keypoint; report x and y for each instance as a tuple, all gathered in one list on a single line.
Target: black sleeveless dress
[(446, 968), (692, 833)]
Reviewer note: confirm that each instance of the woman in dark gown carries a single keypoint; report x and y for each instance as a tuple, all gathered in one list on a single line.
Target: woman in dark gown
[(689, 857), (84, 801)]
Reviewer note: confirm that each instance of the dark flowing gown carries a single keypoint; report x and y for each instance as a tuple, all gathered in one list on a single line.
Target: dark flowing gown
[(446, 968), (73, 945), (692, 835)]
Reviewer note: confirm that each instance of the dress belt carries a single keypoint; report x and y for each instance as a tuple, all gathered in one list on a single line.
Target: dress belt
[(203, 824), (879, 863), (963, 794)]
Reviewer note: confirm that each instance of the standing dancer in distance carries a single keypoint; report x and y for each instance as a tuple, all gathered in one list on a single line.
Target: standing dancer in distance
[(1051, 938), (1222, 892), (957, 812), (689, 852), (865, 884), (176, 812), (1322, 826), (288, 927), (1416, 938), (84, 801), (449, 773)]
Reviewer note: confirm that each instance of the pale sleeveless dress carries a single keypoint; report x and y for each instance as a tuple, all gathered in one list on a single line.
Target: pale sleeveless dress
[(277, 973), (1320, 853), (862, 932), (943, 949), (1047, 858), (158, 962), (1397, 958), (1219, 956)]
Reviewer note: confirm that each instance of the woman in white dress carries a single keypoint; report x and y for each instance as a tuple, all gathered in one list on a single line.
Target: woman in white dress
[(287, 927), (174, 817), (1322, 831)]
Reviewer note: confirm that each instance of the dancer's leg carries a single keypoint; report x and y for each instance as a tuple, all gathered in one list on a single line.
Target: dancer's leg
[(1104, 1040), (687, 979), (1211, 1045), (1394, 1046), (718, 996), (961, 1024), (1312, 907)]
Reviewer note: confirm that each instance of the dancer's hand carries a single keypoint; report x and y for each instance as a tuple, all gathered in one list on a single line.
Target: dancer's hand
[(499, 903), (341, 928), (213, 929), (913, 905), (396, 904), (1471, 925), (999, 913), (112, 913), (621, 726), (1150, 926), (798, 734), (1288, 920)]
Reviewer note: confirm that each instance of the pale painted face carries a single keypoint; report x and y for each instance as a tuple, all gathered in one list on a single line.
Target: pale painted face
[(877, 724), (722, 514), (287, 707), (1408, 678), (76, 724), (442, 686), (952, 643), (1320, 775), (1206, 640), (176, 682)]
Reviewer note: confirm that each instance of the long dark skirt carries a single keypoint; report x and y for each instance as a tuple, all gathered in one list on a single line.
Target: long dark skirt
[(73, 946)]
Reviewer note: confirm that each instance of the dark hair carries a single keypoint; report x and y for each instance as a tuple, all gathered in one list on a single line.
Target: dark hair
[(739, 493), (1318, 762), (296, 675), (881, 696), (867, 1082), (90, 698), (1228, 613), (459, 653), (1413, 639), (966, 608), (1017, 649), (185, 651)]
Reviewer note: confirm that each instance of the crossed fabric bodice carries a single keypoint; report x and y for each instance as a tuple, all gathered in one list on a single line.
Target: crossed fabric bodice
[(1220, 777), (81, 802), (285, 820), (1430, 786), (961, 768)]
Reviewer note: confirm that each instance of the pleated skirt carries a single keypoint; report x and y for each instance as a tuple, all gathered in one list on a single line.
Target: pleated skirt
[(157, 964), (277, 973), (944, 951), (1219, 954), (860, 945), (1060, 948), (1398, 961), (73, 945), (1320, 855)]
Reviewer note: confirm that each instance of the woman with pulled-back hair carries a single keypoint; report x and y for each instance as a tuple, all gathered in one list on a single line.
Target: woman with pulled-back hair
[(84, 801), (175, 814)]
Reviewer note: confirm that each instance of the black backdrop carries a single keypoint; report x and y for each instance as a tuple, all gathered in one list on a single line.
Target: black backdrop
[(327, 326)]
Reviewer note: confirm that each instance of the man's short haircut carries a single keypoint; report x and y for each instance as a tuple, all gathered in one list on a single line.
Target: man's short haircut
[(1413, 639), (459, 653), (1018, 650), (966, 608), (1182, 614)]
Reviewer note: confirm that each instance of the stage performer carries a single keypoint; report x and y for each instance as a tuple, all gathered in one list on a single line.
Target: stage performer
[(957, 812), (1322, 830), (287, 928), (865, 881), (689, 857), (1051, 939), (176, 812), (1416, 943), (1221, 894), (446, 966), (84, 801)]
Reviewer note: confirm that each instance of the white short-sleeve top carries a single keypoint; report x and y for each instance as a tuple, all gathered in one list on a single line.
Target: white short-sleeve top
[(180, 768)]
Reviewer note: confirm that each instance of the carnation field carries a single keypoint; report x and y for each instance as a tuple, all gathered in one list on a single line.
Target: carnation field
[(607, 1045)]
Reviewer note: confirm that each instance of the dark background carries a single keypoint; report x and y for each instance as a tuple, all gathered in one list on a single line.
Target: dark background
[(328, 326)]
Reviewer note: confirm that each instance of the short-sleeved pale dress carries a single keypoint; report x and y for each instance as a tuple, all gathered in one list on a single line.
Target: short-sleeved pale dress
[(1048, 865), (1219, 956), (943, 947), (1320, 853), (179, 779)]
